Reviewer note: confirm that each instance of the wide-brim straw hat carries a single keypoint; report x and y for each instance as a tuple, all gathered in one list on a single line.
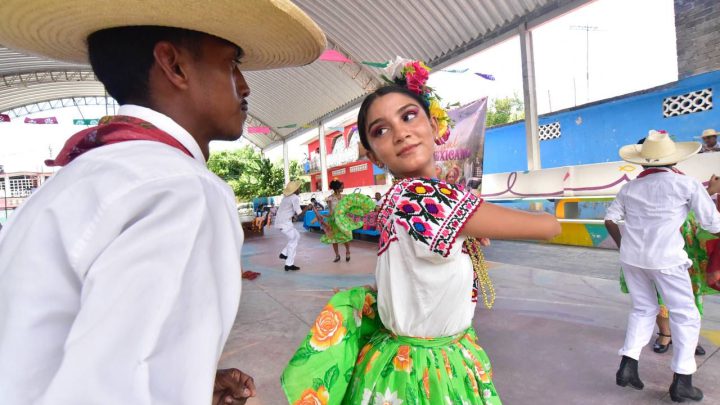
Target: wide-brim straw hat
[(272, 33), (709, 132), (658, 150), (291, 187)]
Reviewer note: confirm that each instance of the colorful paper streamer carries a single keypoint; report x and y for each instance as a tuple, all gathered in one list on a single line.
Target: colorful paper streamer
[(258, 130), (48, 120), (331, 55)]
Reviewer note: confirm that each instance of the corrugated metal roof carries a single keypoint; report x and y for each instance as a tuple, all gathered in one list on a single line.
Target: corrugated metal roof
[(437, 31)]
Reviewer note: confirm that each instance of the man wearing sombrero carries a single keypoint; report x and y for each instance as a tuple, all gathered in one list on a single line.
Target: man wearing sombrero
[(709, 137), (654, 206), (290, 208), (120, 277)]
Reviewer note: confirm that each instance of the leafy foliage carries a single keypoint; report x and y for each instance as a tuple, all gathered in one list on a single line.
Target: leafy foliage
[(250, 174), (504, 110)]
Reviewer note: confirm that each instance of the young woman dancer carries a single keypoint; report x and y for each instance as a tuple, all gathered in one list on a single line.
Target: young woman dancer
[(334, 235), (412, 341)]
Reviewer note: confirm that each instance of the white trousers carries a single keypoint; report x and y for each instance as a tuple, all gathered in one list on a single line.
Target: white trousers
[(676, 291), (293, 237)]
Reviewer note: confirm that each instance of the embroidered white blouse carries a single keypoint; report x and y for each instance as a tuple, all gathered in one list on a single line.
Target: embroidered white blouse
[(332, 201), (425, 281)]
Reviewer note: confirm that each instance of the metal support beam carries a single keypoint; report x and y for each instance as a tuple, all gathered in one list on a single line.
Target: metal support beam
[(368, 79), (532, 140), (53, 76), (53, 104), (323, 158), (286, 162)]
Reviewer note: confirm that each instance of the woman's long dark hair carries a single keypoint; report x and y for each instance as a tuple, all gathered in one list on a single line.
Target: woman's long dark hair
[(382, 91), (336, 185)]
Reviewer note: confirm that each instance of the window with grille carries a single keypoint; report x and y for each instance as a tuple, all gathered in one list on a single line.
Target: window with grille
[(549, 131), (688, 103), (21, 186)]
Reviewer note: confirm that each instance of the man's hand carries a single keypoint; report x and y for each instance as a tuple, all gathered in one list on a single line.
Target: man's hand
[(713, 185), (232, 387)]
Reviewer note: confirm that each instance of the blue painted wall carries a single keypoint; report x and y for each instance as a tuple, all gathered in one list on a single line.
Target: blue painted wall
[(594, 133)]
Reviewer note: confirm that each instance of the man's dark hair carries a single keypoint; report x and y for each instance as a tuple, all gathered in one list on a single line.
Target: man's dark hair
[(122, 57)]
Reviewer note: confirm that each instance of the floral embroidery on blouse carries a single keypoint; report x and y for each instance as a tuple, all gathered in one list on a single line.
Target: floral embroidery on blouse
[(431, 211)]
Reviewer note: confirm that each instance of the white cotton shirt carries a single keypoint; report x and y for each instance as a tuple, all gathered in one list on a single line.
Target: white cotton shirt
[(289, 207), (654, 208), (425, 287), (120, 278)]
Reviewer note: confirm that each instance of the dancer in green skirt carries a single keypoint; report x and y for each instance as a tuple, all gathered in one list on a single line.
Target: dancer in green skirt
[(334, 235), (412, 341)]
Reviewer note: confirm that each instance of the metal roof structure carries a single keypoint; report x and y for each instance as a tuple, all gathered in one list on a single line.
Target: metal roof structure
[(439, 32)]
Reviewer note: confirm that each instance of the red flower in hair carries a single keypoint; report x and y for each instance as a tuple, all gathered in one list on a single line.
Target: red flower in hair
[(416, 75)]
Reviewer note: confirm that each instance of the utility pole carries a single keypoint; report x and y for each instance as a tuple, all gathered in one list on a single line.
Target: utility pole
[(574, 91), (587, 29)]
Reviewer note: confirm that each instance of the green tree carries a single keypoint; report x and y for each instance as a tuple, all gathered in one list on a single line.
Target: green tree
[(504, 110), (250, 174)]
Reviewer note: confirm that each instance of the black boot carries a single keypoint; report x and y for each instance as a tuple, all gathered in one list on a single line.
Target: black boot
[(628, 374), (682, 389)]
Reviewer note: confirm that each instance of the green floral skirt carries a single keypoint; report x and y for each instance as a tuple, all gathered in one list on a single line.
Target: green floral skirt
[(349, 358), (346, 218), (333, 234)]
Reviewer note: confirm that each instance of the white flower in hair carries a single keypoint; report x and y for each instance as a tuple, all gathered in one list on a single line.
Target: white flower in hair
[(394, 69)]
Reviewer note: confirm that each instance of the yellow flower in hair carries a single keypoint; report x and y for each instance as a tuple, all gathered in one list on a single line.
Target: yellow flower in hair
[(443, 120), (442, 128), (436, 109)]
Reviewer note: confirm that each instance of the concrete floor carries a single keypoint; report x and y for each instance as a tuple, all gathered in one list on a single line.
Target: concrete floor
[(552, 336)]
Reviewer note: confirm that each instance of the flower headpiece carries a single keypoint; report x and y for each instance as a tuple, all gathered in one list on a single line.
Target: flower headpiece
[(414, 74)]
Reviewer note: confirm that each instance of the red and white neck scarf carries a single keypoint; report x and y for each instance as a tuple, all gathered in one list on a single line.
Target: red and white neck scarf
[(113, 129), (653, 170)]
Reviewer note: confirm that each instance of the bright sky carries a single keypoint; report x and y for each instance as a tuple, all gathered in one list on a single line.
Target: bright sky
[(632, 48)]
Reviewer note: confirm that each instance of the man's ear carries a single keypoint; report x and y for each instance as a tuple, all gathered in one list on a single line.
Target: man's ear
[(171, 62)]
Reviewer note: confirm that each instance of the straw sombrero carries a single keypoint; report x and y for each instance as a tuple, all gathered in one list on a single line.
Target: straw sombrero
[(273, 33), (658, 150), (709, 132), (291, 187)]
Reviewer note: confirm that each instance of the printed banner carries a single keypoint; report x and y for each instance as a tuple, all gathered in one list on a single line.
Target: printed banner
[(88, 121), (48, 120), (4, 118), (460, 159)]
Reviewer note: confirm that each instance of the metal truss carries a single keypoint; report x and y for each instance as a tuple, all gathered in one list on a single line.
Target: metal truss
[(251, 121), (55, 76), (361, 74), (62, 103), (365, 77)]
